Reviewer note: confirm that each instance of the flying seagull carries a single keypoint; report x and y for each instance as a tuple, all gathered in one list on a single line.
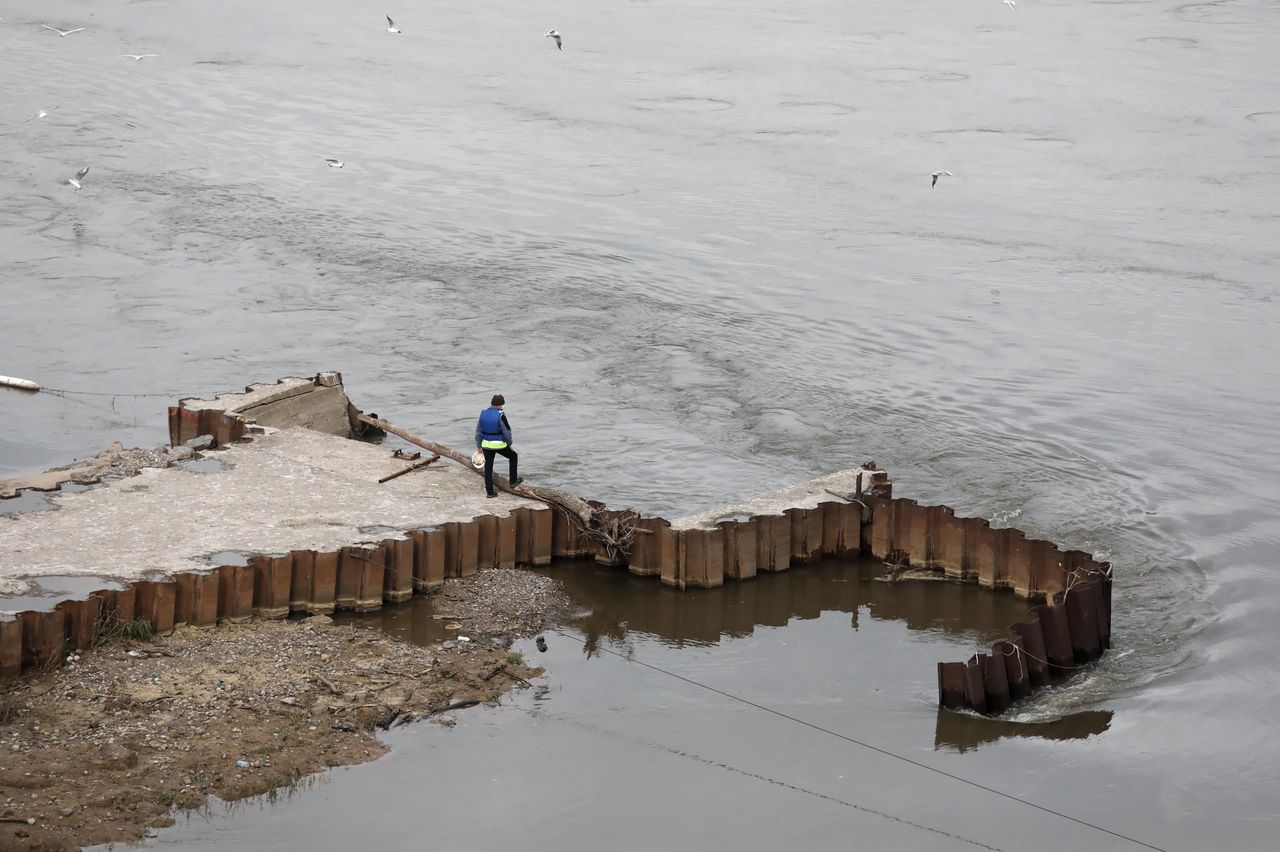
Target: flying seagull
[(62, 33), (75, 181), (391, 25), (138, 57), (555, 35), (42, 113), (334, 164), (1012, 4), (937, 175)]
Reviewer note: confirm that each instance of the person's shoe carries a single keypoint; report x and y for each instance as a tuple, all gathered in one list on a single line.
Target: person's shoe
[(517, 481), (493, 494)]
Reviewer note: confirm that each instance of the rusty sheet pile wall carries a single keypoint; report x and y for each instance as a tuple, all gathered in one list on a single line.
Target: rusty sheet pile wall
[(1069, 627), (358, 577)]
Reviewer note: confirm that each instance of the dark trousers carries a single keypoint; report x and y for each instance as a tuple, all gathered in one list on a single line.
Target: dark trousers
[(511, 455)]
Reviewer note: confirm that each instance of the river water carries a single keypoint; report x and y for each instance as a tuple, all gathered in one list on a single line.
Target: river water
[(699, 252)]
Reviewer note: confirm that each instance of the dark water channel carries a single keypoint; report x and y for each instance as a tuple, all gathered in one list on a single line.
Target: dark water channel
[(831, 645)]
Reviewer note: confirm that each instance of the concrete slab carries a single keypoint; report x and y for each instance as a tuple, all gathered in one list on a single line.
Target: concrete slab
[(804, 495), (290, 489)]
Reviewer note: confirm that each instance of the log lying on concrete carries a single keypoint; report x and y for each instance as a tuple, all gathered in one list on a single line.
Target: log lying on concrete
[(577, 508)]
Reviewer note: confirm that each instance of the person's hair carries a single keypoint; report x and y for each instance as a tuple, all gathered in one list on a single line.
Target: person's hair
[(498, 399)]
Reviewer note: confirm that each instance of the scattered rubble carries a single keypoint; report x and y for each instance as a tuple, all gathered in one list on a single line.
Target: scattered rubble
[(105, 748)]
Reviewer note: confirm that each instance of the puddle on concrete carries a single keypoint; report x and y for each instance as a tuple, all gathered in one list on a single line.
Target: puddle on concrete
[(204, 465), (27, 501), (643, 677), (50, 591)]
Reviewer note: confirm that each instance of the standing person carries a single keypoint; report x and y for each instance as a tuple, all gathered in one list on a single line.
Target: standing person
[(493, 436)]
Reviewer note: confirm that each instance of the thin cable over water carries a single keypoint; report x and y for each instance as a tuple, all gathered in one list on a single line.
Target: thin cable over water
[(765, 778), (867, 745)]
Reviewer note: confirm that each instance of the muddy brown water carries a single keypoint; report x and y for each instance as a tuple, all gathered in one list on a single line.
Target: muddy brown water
[(698, 251)]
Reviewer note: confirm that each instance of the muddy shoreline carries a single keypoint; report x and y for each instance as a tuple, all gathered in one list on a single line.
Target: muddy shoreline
[(115, 742)]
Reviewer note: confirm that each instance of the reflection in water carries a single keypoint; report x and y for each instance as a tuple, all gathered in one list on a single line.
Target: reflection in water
[(620, 603), (415, 621), (965, 731)]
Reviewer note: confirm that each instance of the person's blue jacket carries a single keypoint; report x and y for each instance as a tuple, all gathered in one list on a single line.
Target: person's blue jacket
[(493, 426)]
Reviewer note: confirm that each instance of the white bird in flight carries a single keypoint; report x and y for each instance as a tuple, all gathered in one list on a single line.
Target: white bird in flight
[(937, 175), (138, 57), (391, 25), (1012, 4), (75, 181), (42, 113), (555, 35), (334, 164), (62, 33)]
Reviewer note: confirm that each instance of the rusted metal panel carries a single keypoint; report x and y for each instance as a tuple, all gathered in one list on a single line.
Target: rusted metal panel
[(806, 535), (565, 538), (1015, 668), (673, 570), (877, 534), (1029, 636), (165, 594), (11, 648), (1018, 563), (468, 549), (910, 532), (986, 548), (184, 603), (543, 522), (951, 685), (694, 558), (204, 610), (273, 577), (398, 582), (523, 518), (324, 589), (302, 580), (773, 542), (351, 566), (1104, 604), (1050, 571), (208, 423), (506, 555), (80, 622), (1082, 620), (124, 604), (43, 639), (222, 429), (995, 682), (642, 560), (949, 551), (175, 427), (432, 579), (745, 550), (975, 691), (486, 542), (372, 579), (713, 554), (188, 423), (452, 532), (1057, 639)]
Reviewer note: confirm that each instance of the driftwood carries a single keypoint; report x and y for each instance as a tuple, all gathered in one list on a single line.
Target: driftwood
[(410, 469), (609, 533)]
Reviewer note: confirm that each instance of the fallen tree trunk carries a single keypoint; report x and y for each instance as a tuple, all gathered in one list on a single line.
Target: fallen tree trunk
[(577, 508)]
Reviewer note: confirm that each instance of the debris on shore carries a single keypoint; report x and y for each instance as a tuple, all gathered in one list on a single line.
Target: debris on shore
[(106, 747)]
